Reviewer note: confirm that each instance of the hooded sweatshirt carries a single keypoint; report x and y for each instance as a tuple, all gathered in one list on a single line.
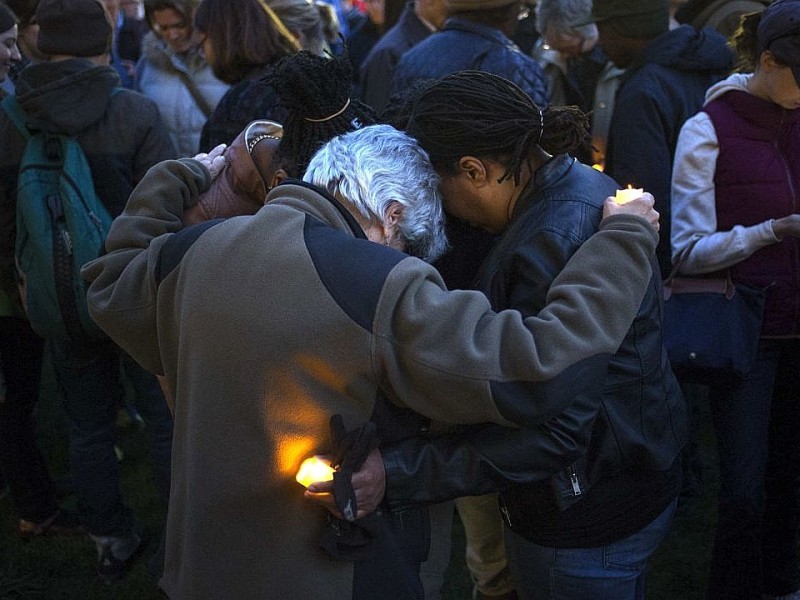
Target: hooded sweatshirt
[(661, 89)]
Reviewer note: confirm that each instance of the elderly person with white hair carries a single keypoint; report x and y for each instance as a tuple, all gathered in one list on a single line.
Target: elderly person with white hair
[(267, 326)]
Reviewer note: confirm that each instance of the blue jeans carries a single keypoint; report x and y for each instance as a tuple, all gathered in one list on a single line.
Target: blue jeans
[(89, 380), (612, 572), (757, 423)]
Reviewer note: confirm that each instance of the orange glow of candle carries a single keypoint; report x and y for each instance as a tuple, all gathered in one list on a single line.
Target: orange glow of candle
[(314, 469), (628, 194)]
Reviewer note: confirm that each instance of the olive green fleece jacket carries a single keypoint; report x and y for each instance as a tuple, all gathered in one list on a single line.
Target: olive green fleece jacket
[(266, 325)]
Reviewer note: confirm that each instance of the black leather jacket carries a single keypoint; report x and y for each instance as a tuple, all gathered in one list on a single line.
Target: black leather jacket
[(625, 414)]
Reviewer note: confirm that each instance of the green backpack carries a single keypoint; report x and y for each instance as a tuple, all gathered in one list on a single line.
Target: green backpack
[(61, 225)]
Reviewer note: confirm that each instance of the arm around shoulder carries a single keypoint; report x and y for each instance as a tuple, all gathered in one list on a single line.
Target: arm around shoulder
[(593, 301), (485, 369), (122, 291)]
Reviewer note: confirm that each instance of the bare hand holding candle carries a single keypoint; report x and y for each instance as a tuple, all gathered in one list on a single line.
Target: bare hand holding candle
[(314, 469), (627, 194)]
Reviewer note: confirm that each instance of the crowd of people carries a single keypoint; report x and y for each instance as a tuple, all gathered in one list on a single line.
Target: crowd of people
[(386, 233)]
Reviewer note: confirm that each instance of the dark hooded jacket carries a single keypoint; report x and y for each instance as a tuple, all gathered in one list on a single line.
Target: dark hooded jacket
[(121, 135), (662, 88)]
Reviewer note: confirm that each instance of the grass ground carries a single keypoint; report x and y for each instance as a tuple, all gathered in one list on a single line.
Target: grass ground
[(61, 569)]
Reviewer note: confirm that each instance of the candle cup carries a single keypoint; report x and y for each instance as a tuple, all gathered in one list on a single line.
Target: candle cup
[(628, 194), (314, 469)]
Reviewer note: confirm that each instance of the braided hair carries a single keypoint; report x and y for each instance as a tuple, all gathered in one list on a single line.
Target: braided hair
[(316, 91), (484, 115)]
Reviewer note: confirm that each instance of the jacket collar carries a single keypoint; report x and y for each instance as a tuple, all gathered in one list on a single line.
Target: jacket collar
[(316, 202), (762, 113), (484, 31), (550, 172)]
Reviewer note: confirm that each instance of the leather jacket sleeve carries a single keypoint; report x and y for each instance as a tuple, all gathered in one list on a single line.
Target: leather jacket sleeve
[(474, 460)]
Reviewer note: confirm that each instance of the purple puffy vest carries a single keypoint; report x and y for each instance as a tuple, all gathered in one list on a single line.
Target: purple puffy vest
[(758, 178)]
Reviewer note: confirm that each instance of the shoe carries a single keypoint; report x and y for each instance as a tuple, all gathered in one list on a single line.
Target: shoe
[(115, 554), (62, 522)]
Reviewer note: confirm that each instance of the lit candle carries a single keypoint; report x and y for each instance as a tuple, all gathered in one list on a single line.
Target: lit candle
[(628, 194), (314, 469)]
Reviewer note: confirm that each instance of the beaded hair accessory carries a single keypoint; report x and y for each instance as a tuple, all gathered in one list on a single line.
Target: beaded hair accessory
[(541, 126), (261, 130)]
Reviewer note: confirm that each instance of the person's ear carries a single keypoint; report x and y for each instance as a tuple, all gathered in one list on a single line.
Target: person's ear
[(768, 61), (394, 212), (278, 177), (473, 168), (391, 224)]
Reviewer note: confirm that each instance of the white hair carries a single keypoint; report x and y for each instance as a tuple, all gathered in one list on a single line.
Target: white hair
[(377, 165), (561, 15)]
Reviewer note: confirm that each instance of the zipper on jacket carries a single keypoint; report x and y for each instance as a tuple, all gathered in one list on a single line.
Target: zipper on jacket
[(573, 477), (506, 514), (785, 161)]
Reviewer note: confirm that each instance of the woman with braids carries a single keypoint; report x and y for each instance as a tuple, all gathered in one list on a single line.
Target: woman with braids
[(316, 90), (584, 532), (242, 40)]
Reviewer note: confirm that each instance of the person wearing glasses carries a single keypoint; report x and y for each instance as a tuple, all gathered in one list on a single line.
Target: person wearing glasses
[(736, 205), (578, 71), (173, 72)]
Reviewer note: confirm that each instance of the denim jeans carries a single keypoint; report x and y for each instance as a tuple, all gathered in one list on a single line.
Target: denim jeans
[(20, 459), (757, 423), (612, 572), (89, 380)]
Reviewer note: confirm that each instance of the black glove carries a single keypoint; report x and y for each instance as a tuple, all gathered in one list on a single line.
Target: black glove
[(350, 450), (350, 539)]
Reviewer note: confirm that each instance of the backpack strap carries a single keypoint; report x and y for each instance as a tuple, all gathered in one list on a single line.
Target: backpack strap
[(17, 115), (197, 95)]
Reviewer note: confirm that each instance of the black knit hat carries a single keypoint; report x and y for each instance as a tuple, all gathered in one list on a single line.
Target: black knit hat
[(73, 27), (779, 32), (7, 18)]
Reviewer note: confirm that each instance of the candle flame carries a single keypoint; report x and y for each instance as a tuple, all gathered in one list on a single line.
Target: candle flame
[(314, 469), (627, 194)]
